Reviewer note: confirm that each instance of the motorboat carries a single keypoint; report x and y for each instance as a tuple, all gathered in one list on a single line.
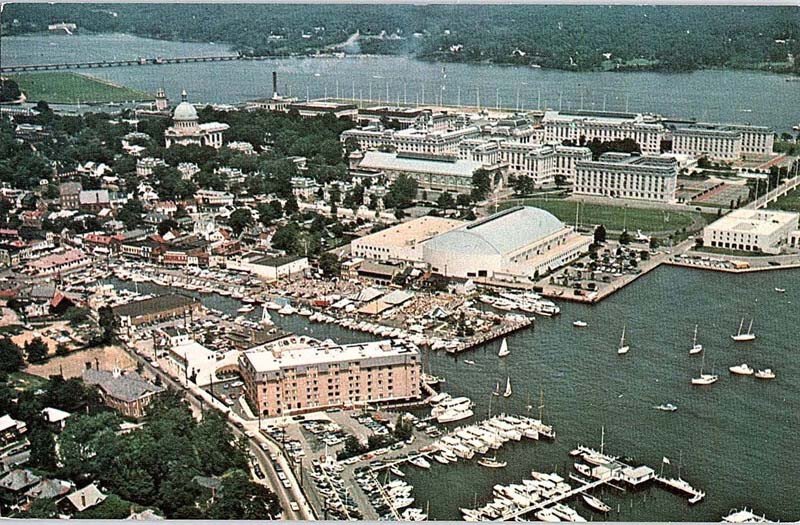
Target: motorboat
[(668, 407), (469, 362), (623, 348), (580, 324), (420, 462), (696, 348), (397, 472), (595, 503), (747, 336), (246, 309), (456, 403), (705, 379), (287, 309), (586, 470), (767, 373), (441, 459), (567, 513), (492, 463), (780, 290), (454, 415), (742, 370), (547, 516), (504, 351)]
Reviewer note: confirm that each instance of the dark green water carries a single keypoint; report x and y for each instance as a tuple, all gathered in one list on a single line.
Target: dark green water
[(737, 439)]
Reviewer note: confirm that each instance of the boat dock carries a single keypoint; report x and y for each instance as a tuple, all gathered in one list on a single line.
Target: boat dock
[(684, 487), (518, 513), (504, 330)]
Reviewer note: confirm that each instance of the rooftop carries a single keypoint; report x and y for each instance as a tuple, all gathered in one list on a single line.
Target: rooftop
[(412, 232), (756, 222), (392, 161), (125, 387), (153, 305)]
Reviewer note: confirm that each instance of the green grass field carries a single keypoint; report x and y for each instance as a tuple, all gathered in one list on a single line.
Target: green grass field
[(789, 202), (614, 218), (60, 87)]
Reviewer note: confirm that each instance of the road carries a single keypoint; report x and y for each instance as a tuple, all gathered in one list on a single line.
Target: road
[(194, 395)]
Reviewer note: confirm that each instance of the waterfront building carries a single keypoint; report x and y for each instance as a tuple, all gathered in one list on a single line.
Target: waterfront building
[(725, 142), (487, 152), (514, 245), (287, 378), (11, 430), (401, 117), (158, 308), (186, 128), (542, 162), (765, 231), (584, 126), (270, 268), (518, 128), (626, 176), (402, 243), (434, 175), (317, 108), (412, 140), (59, 263)]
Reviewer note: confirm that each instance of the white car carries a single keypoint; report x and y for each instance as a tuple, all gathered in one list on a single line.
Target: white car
[(294, 506)]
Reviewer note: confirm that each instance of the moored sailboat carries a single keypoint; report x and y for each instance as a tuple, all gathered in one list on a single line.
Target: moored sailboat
[(696, 348), (748, 336), (507, 393), (504, 351), (623, 348)]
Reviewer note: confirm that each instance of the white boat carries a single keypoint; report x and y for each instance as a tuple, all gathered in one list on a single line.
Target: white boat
[(420, 462), (401, 503), (287, 309), (496, 391), (704, 379), (507, 393), (492, 463), (504, 351), (748, 336), (272, 305), (454, 415), (580, 324), (397, 472), (586, 470), (595, 503), (623, 348), (305, 312), (456, 403), (265, 318), (696, 348), (668, 407), (767, 373), (547, 516), (441, 459), (567, 513), (469, 362), (742, 370), (780, 290), (246, 309)]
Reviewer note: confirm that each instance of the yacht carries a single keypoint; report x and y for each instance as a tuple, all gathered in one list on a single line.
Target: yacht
[(397, 472), (748, 336), (623, 348), (492, 463), (547, 516), (469, 362), (767, 373), (595, 503), (287, 309), (420, 462), (456, 403), (454, 415), (704, 379), (504, 351), (586, 470), (246, 309), (668, 407), (441, 459), (742, 370), (696, 348), (780, 290), (580, 324)]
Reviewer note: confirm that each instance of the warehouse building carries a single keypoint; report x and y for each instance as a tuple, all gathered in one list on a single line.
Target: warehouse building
[(158, 308), (764, 231), (402, 243), (515, 245)]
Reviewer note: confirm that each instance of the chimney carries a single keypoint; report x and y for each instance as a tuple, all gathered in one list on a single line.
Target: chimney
[(83, 500), (274, 84)]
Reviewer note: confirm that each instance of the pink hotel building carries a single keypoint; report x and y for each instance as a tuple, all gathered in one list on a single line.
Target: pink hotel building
[(287, 379)]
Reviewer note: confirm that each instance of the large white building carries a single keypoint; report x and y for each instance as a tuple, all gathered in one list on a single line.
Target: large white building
[(515, 245), (433, 175), (402, 243), (542, 162), (765, 231), (626, 176), (412, 140), (725, 142), (186, 128), (585, 126)]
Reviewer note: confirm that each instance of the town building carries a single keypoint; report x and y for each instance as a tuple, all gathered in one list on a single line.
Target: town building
[(626, 176), (285, 378), (59, 263), (146, 165), (585, 126), (412, 140), (402, 243), (270, 268), (11, 430), (158, 308), (81, 500), (128, 392), (433, 175), (722, 142), (69, 195), (764, 231), (304, 188), (317, 108), (213, 197), (186, 128), (514, 245)]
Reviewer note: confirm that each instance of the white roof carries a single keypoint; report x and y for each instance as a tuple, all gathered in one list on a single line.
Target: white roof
[(7, 422), (379, 160), (54, 415), (755, 222)]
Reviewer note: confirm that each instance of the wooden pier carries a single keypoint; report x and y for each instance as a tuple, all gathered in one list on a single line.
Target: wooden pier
[(141, 61), (491, 336)]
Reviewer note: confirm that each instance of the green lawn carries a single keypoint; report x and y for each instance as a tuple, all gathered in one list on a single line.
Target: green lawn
[(613, 217), (59, 87), (25, 381), (789, 202)]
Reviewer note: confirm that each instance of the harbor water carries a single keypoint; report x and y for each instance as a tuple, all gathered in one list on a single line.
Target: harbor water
[(735, 440), (711, 95)]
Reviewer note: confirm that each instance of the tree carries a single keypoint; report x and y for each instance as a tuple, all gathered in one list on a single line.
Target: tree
[(445, 200), (76, 315), (481, 184), (240, 219), (42, 509), (43, 446), (10, 356), (131, 213), (166, 225), (36, 350), (402, 192), (111, 508), (269, 212), (625, 237), (330, 265), (240, 499), (9, 90), (107, 322), (600, 234)]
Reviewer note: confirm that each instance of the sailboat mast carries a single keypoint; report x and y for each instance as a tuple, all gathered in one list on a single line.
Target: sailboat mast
[(602, 438), (541, 405), (750, 328)]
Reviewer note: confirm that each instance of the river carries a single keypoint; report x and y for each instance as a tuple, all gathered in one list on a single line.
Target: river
[(735, 439), (710, 95)]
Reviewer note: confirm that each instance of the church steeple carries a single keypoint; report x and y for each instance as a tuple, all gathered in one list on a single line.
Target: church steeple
[(184, 96)]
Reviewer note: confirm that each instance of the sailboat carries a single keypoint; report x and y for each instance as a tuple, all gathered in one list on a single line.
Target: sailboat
[(696, 348), (265, 318), (496, 391), (623, 348), (504, 351), (507, 393), (749, 336), (704, 379)]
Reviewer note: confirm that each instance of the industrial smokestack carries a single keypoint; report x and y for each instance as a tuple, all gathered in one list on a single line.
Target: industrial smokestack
[(274, 84)]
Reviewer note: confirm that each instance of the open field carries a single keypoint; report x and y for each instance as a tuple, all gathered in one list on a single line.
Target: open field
[(615, 218), (73, 365), (789, 202), (60, 87)]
